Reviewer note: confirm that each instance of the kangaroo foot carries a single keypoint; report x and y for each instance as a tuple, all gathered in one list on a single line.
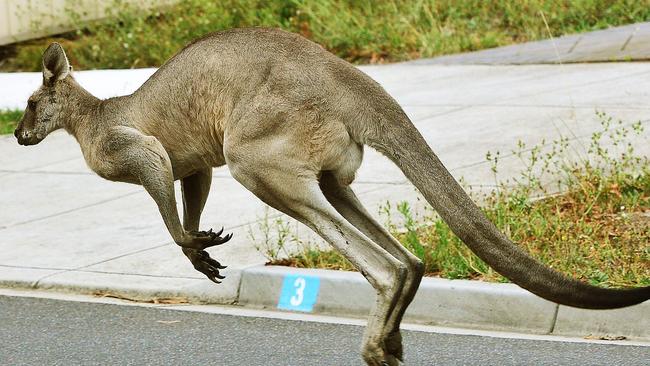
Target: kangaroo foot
[(203, 263), (374, 355), (394, 345), (204, 239)]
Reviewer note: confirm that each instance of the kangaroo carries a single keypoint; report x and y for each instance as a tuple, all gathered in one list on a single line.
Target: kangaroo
[(290, 120)]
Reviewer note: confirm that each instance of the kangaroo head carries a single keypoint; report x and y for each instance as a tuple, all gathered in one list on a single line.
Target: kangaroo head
[(42, 114)]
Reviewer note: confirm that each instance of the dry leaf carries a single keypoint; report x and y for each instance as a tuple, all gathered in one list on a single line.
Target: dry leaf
[(155, 300), (170, 300), (606, 337)]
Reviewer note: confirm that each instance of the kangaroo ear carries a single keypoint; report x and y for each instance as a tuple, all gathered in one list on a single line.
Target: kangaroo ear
[(55, 64)]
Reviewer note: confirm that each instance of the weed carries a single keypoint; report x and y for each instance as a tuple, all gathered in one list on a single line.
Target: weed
[(272, 237), (278, 240)]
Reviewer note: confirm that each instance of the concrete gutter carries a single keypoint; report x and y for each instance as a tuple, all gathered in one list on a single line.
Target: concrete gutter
[(440, 302)]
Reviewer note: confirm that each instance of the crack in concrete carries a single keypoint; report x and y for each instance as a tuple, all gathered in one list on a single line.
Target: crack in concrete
[(573, 46), (45, 172), (70, 210), (33, 267), (557, 90), (627, 41), (509, 155), (134, 274)]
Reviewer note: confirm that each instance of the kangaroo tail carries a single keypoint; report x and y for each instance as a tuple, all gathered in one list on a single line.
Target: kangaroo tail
[(401, 142)]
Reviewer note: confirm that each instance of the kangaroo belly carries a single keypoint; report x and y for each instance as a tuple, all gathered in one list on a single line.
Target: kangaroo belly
[(185, 163)]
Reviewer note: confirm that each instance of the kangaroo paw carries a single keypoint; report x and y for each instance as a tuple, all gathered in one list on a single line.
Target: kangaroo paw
[(394, 345), (203, 263), (207, 239)]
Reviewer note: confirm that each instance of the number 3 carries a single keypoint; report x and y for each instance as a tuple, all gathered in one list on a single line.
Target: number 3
[(299, 284)]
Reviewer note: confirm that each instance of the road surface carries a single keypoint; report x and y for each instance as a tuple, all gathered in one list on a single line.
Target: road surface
[(40, 331)]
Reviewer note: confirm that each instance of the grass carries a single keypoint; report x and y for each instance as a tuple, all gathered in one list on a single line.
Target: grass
[(8, 120), (596, 230), (360, 31)]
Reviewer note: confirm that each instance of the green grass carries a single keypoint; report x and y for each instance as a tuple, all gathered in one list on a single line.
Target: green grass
[(8, 120), (597, 230), (360, 31)]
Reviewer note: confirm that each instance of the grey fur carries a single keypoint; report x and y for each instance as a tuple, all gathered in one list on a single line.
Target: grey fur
[(290, 121)]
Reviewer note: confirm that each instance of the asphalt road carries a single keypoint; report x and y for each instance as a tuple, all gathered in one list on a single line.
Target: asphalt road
[(36, 331)]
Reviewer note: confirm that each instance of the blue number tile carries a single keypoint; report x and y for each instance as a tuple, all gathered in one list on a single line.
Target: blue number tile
[(299, 293)]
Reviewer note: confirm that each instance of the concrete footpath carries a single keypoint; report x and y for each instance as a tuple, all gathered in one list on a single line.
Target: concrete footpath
[(65, 229), (625, 43)]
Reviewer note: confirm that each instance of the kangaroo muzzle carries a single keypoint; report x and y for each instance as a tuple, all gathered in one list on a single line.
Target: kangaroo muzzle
[(26, 138)]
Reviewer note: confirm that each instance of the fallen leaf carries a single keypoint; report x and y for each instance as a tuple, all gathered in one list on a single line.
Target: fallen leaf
[(606, 337), (170, 300), (155, 300)]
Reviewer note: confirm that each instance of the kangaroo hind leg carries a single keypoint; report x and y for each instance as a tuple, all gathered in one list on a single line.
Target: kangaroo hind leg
[(300, 197), (342, 197)]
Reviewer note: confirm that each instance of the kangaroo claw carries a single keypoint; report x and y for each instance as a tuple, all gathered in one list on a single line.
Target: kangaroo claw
[(207, 239), (203, 263)]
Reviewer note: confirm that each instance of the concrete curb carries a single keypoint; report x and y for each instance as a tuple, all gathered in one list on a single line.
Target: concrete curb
[(451, 303), (128, 286), (448, 303)]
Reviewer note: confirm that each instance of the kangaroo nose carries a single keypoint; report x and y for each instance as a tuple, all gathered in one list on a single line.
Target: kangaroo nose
[(16, 133)]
